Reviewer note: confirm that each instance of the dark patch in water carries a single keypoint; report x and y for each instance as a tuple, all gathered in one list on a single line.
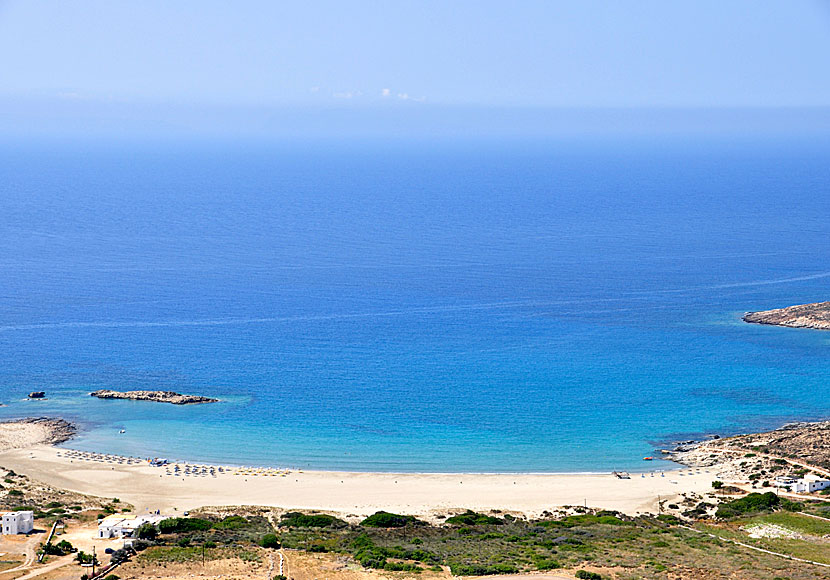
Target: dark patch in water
[(742, 424)]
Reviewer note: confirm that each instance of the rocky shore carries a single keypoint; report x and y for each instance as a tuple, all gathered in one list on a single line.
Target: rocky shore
[(59, 430), (766, 455), (155, 396), (34, 431), (815, 316)]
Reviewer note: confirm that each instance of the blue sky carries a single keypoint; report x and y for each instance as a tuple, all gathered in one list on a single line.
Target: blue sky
[(449, 52), (403, 67)]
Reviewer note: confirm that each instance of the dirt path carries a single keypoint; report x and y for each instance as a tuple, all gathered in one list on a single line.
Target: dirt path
[(757, 549), (30, 553), (59, 563)]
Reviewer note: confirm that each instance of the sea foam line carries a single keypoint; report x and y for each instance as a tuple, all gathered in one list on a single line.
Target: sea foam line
[(280, 319), (738, 284)]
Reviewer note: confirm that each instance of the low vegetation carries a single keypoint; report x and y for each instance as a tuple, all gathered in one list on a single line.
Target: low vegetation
[(388, 520), (183, 525), (592, 544), (754, 503), (300, 520), (471, 518)]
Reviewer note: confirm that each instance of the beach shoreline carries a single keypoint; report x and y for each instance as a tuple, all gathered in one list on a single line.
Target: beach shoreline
[(188, 486)]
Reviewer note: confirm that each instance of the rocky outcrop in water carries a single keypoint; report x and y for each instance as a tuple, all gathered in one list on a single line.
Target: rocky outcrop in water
[(816, 316), (155, 396)]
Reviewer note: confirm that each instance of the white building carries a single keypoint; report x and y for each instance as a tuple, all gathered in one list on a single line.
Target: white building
[(17, 522), (810, 483), (120, 526)]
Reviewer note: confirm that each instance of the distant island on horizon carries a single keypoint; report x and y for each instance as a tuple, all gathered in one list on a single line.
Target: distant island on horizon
[(815, 316)]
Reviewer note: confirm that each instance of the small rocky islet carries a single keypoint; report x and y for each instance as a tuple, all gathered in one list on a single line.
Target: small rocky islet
[(815, 316), (154, 396)]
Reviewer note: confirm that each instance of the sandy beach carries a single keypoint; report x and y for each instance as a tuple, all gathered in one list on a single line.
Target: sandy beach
[(188, 486)]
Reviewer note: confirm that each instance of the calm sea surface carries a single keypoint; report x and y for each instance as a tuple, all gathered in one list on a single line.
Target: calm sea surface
[(419, 307)]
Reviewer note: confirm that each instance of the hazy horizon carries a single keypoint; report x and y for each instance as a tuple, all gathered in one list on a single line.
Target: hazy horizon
[(323, 68), (93, 119)]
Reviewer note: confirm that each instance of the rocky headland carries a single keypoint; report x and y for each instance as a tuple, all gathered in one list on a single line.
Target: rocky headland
[(34, 431), (155, 396), (816, 316), (769, 454)]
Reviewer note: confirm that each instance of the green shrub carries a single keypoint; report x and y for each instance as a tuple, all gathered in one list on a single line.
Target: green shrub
[(209, 545), (84, 558), (140, 545), (585, 575), (608, 518), (387, 520), (546, 564), (471, 518), (754, 502), (146, 532), (60, 549), (231, 523), (717, 484), (371, 556), (482, 569), (270, 541), (182, 525), (300, 520), (183, 542), (400, 567), (120, 555)]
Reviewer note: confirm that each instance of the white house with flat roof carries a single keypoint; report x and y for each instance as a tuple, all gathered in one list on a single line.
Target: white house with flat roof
[(810, 483), (121, 526), (17, 522)]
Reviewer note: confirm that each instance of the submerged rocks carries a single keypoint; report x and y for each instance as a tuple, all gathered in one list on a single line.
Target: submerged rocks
[(155, 396), (815, 316)]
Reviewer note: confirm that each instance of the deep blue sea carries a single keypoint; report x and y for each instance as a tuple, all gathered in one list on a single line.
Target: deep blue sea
[(417, 306)]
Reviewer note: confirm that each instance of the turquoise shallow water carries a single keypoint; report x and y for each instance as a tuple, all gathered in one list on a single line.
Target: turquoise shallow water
[(416, 307)]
